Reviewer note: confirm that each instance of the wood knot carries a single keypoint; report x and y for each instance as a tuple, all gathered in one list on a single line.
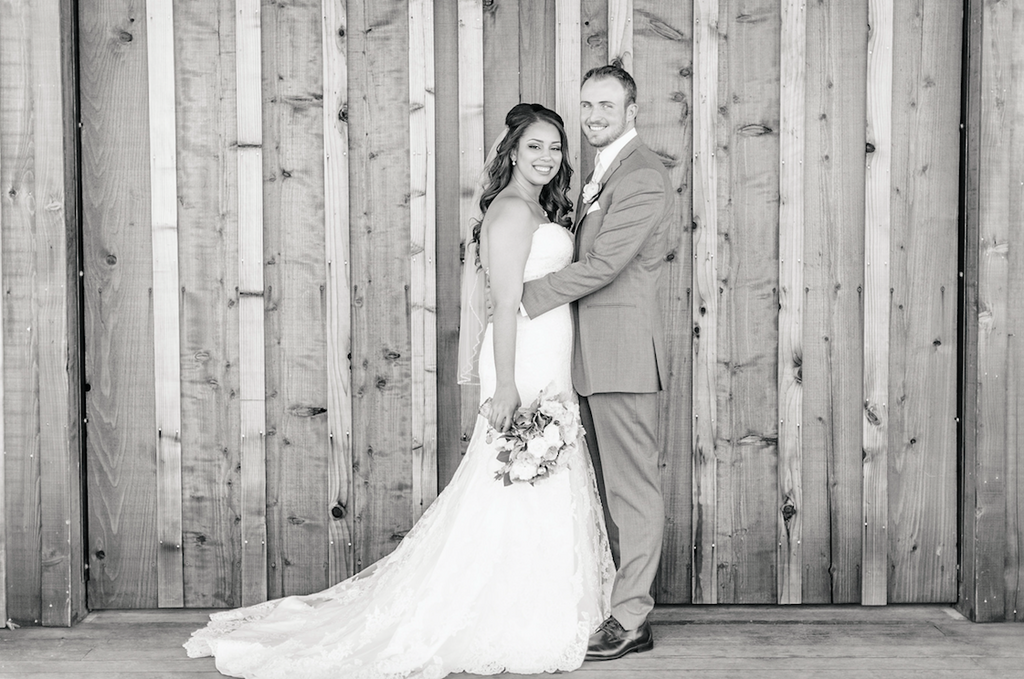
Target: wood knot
[(754, 130)]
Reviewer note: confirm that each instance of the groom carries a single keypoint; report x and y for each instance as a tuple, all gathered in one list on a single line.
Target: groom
[(619, 359)]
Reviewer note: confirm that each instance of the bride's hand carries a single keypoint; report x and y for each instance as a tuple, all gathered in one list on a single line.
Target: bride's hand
[(504, 405)]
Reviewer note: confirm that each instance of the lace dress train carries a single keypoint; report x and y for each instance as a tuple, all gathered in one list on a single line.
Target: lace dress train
[(492, 578)]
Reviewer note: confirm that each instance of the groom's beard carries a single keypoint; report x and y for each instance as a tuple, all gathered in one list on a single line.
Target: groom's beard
[(601, 138)]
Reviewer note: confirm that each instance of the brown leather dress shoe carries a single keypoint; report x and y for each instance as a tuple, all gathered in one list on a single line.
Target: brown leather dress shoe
[(612, 641)]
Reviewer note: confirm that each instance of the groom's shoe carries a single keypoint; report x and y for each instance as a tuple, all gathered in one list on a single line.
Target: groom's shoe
[(612, 641)]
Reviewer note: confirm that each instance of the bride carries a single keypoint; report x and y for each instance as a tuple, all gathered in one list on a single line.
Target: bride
[(493, 577)]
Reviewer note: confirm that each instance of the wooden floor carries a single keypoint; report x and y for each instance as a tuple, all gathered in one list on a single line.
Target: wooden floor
[(830, 642)]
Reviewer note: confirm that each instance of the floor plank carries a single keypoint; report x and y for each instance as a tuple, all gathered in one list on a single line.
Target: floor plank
[(824, 642)]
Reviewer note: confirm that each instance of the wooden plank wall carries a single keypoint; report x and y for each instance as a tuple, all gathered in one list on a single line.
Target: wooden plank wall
[(321, 159), (992, 520), (41, 534)]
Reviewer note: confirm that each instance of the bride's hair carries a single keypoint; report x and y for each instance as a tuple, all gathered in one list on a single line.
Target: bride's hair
[(554, 199)]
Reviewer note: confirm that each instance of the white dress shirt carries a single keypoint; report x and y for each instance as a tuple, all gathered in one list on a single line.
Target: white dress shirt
[(605, 156)]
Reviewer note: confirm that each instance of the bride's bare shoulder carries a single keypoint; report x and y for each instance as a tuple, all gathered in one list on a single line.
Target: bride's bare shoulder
[(510, 212)]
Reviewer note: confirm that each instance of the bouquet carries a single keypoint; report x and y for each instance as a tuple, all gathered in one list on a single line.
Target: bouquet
[(541, 439)]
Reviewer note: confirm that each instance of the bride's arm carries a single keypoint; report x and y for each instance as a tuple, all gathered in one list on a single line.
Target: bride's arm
[(508, 235)]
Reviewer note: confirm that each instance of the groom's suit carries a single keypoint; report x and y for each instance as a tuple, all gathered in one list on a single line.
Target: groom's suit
[(619, 357)]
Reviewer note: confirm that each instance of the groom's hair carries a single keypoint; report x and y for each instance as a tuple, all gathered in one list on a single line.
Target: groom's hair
[(615, 72)]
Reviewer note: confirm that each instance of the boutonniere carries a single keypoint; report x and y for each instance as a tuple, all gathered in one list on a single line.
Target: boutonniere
[(591, 191)]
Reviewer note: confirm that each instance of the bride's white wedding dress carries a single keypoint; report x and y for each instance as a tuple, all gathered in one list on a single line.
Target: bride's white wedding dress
[(492, 578)]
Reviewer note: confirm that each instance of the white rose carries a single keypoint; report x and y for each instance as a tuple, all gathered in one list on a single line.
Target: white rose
[(537, 447), (553, 409), (523, 470), (590, 191), (552, 435)]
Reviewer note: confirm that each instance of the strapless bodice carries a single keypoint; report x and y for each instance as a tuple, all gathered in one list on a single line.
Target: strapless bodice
[(552, 250)]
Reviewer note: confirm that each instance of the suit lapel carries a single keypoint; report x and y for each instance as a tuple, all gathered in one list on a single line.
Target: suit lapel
[(628, 149)]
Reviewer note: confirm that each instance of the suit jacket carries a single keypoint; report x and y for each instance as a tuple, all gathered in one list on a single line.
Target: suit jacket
[(621, 244)]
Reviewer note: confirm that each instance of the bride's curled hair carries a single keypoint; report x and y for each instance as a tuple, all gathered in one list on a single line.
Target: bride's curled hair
[(554, 199)]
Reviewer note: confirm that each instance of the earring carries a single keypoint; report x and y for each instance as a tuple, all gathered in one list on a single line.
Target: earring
[(513, 161)]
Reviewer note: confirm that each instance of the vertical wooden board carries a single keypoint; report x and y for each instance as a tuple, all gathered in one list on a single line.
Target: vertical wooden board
[(295, 278), (3, 415), (379, 161), (448, 237), (705, 304), (251, 300), (208, 244), (537, 52), (166, 320), (747, 280), (339, 329), (662, 68), (593, 53), (422, 257), (620, 33), (923, 316), (877, 188), (833, 277), (21, 406), (1014, 597), (57, 458), (567, 83), (72, 267), (969, 551), (115, 218), (987, 551), (472, 152), (792, 138), (969, 320), (121, 453), (500, 21)]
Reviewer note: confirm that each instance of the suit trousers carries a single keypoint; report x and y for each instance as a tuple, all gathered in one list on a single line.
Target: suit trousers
[(622, 430)]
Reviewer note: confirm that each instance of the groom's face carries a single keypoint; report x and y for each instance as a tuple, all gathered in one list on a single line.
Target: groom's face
[(604, 113)]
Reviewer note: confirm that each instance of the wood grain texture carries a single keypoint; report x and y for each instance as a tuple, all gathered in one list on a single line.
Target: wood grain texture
[(472, 152), (923, 280), (877, 227), (620, 33), (593, 53), (447, 126), (339, 327), (988, 551), (73, 280), (116, 222), (1013, 606), (833, 279), (500, 22), (22, 514), (705, 303), (662, 67), (252, 441), (792, 140), (567, 83), (295, 304), (747, 283), (537, 69), (166, 315), (381, 381), (3, 411), (58, 462), (422, 256), (207, 133), (970, 190)]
